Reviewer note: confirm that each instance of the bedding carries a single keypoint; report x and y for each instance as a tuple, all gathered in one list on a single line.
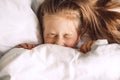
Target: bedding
[(18, 24), (53, 62), (35, 4)]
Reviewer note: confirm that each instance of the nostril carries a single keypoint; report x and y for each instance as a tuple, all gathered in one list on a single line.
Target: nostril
[(60, 44)]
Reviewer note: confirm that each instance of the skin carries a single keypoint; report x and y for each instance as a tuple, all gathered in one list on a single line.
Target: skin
[(60, 30)]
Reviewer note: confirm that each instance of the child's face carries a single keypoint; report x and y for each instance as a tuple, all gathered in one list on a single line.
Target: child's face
[(61, 31)]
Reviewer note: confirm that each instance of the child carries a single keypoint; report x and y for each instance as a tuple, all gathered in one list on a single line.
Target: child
[(77, 18), (60, 21)]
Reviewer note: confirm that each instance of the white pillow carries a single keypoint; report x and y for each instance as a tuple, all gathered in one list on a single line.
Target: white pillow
[(35, 4), (18, 24)]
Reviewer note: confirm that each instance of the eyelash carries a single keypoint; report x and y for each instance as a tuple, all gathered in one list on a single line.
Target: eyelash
[(67, 37), (51, 36), (54, 36)]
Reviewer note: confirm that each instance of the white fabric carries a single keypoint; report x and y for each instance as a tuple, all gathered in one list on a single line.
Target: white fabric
[(52, 62), (18, 24), (35, 4)]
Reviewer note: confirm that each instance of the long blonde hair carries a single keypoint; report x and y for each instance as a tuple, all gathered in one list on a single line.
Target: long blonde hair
[(97, 17), (99, 20)]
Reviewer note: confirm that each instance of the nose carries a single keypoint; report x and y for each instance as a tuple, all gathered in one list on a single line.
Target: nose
[(60, 42)]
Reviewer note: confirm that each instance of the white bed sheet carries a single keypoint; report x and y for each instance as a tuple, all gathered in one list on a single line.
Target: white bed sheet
[(53, 62)]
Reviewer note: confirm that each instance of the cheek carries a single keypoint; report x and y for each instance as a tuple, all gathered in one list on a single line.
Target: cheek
[(71, 43), (48, 40)]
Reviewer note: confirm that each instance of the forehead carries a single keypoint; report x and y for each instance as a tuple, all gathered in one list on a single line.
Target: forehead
[(56, 24), (57, 19)]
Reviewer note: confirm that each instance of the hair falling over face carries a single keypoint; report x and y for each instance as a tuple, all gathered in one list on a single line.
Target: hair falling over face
[(98, 18)]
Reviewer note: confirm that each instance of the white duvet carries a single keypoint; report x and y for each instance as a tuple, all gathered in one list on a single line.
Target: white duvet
[(53, 62)]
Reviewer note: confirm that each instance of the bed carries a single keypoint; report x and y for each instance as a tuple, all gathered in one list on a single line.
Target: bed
[(19, 24)]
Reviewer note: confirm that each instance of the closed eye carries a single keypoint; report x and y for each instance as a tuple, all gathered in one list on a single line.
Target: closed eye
[(51, 35), (67, 36)]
